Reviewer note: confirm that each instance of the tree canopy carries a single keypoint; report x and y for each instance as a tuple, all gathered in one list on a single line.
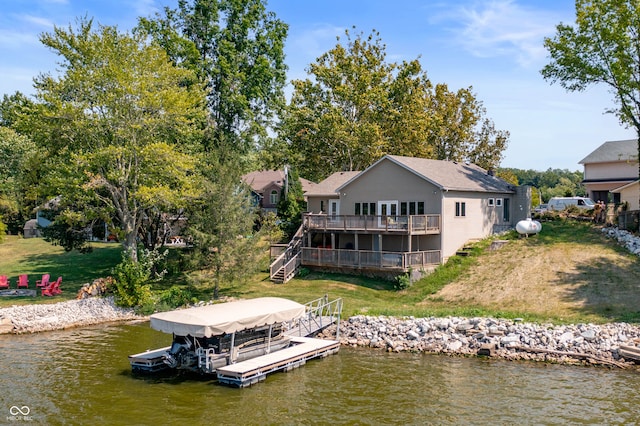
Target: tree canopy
[(603, 47), (237, 50), (358, 107), (117, 126)]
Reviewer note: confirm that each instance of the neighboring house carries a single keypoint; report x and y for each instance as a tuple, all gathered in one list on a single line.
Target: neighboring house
[(611, 166), (32, 227), (402, 214), (267, 186), (629, 193)]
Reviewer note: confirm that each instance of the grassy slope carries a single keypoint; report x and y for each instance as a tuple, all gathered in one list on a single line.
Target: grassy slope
[(568, 273)]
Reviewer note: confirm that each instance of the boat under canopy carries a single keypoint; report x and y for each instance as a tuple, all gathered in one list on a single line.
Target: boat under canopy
[(227, 318)]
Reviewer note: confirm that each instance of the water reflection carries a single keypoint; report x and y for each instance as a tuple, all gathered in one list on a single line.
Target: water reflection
[(82, 376)]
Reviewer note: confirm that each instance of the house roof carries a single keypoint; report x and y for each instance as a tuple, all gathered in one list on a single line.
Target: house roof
[(330, 185), (628, 185), (612, 151), (259, 180), (448, 175)]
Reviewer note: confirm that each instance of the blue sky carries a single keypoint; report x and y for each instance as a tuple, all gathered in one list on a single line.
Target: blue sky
[(495, 46)]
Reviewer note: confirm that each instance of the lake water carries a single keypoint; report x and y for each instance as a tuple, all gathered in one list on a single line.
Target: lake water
[(82, 377)]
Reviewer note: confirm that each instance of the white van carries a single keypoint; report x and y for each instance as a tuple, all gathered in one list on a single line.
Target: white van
[(561, 203)]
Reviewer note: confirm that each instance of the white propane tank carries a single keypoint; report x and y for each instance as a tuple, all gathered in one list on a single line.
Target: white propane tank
[(528, 226)]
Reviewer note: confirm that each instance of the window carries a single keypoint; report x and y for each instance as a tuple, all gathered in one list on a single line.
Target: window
[(321, 205), (505, 211), (372, 208), (411, 208), (461, 208), (491, 202), (357, 209), (498, 202), (273, 198), (365, 209)]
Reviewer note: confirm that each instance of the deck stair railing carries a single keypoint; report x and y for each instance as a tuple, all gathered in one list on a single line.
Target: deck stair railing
[(319, 314), (285, 266)]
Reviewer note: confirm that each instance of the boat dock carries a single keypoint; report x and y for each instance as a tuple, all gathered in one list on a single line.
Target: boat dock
[(149, 361), (249, 372)]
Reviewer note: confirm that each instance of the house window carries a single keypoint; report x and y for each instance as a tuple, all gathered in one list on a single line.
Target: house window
[(321, 205), (273, 198), (411, 208), (365, 209), (505, 211), (498, 202), (491, 202), (356, 211), (461, 209), (372, 208)]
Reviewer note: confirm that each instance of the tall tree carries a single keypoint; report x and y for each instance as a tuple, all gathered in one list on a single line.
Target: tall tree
[(335, 119), (237, 49), (603, 47), (221, 227), (117, 124), (15, 153), (358, 107)]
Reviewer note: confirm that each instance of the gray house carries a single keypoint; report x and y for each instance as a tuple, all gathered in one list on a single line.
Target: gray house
[(402, 214)]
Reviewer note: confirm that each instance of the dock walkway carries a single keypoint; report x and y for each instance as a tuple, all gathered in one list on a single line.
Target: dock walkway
[(249, 372)]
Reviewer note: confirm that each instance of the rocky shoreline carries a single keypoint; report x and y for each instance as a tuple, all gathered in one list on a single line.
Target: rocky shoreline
[(587, 344), (19, 319), (500, 338), (507, 339)]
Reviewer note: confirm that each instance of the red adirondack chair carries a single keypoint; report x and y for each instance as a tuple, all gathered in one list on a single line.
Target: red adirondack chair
[(44, 282), (53, 288), (23, 281), (4, 281)]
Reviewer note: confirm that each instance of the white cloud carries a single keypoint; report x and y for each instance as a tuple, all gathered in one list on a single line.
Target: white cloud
[(501, 28), (17, 40), (36, 20), (313, 42)]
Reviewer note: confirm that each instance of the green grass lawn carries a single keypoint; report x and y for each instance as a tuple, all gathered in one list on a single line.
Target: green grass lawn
[(362, 295), (35, 257)]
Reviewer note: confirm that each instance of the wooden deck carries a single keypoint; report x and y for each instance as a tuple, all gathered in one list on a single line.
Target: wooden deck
[(249, 372)]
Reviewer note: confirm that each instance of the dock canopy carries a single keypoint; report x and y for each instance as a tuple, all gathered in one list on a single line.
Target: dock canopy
[(213, 320)]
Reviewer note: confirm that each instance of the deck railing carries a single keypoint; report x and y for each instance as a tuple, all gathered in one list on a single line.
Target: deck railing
[(364, 259), (414, 224)]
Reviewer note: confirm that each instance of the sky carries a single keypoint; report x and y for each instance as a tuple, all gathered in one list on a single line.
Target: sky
[(493, 46)]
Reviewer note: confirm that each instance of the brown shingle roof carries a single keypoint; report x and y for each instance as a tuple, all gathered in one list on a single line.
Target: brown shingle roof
[(258, 180), (330, 185), (450, 175)]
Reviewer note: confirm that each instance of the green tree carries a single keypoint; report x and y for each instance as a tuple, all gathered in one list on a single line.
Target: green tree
[(358, 107), (117, 125), (601, 48), (237, 49), (221, 228), (15, 153), (291, 204)]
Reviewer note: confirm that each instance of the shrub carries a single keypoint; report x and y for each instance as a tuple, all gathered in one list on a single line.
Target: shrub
[(131, 281), (175, 297), (402, 282)]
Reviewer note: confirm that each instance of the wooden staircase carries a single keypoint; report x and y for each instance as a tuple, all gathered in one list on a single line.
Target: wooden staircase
[(287, 264)]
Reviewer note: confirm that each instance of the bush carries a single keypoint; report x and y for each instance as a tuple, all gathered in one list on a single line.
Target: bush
[(402, 282), (131, 278), (175, 297)]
